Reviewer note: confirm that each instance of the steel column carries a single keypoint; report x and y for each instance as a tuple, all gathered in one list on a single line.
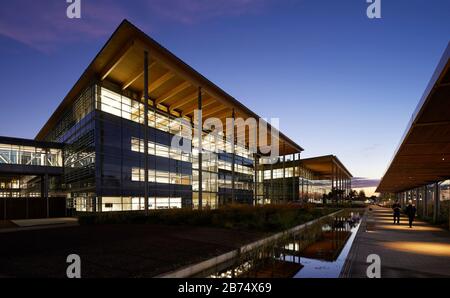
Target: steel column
[(293, 177), (200, 149), (46, 194), (417, 198), (332, 180), (271, 182), (436, 202), (284, 177), (146, 98), (233, 160), (255, 164), (425, 202)]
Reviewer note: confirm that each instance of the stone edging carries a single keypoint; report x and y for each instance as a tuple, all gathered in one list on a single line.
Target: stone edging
[(346, 268)]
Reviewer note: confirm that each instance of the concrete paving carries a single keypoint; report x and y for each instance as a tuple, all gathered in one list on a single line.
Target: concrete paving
[(423, 251), (37, 224), (44, 222)]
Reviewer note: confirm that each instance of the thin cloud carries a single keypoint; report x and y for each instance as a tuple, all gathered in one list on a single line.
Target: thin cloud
[(44, 26), (194, 11), (360, 182)]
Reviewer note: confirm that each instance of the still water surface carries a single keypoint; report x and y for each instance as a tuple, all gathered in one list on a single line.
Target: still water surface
[(319, 251)]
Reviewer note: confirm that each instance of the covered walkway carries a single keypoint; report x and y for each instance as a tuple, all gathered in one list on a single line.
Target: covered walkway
[(423, 251)]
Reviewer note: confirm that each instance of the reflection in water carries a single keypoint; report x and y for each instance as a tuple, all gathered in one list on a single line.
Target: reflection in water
[(330, 266), (319, 250)]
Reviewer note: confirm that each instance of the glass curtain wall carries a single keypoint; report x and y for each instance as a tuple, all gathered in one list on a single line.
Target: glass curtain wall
[(308, 187), (75, 129), (444, 202), (30, 156), (170, 169)]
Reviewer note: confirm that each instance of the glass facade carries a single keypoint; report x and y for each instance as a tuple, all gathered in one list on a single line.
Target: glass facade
[(293, 182), (26, 165), (76, 129), (170, 168), (120, 156), (432, 201), (104, 160), (30, 156)]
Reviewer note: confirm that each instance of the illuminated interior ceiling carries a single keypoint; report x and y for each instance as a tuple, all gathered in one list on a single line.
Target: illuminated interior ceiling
[(323, 166), (173, 85), (423, 156)]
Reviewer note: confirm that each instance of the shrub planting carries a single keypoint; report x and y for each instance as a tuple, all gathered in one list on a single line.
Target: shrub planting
[(268, 218)]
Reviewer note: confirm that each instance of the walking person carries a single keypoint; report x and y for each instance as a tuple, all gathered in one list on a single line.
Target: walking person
[(396, 207), (411, 213)]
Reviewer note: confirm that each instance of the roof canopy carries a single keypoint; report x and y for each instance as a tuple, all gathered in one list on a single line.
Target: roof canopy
[(172, 84), (324, 165), (423, 156)]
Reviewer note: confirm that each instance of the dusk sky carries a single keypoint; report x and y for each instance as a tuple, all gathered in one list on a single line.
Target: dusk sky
[(340, 83)]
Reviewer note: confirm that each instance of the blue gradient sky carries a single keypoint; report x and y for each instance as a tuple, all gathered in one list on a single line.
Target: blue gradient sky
[(340, 82)]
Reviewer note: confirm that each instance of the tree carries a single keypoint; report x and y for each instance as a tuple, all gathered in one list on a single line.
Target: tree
[(352, 194), (324, 199), (362, 195)]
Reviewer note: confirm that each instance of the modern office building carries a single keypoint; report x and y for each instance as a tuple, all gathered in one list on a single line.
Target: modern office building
[(307, 181), (114, 130), (420, 169)]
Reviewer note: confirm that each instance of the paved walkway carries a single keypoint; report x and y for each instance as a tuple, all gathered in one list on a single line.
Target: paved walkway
[(423, 251), (36, 224)]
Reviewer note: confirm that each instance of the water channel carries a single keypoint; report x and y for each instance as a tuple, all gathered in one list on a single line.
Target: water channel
[(319, 250)]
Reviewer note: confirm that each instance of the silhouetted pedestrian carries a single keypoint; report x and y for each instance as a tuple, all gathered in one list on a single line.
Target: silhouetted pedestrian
[(396, 207), (411, 213)]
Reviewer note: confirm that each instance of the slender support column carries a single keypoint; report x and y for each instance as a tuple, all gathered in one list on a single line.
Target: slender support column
[(425, 201), (303, 189), (293, 177), (335, 183), (233, 160), (436, 202), (200, 149), (271, 183), (344, 187), (46, 194), (348, 187), (417, 198), (146, 194), (256, 179), (299, 176), (339, 184), (284, 178), (332, 181)]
